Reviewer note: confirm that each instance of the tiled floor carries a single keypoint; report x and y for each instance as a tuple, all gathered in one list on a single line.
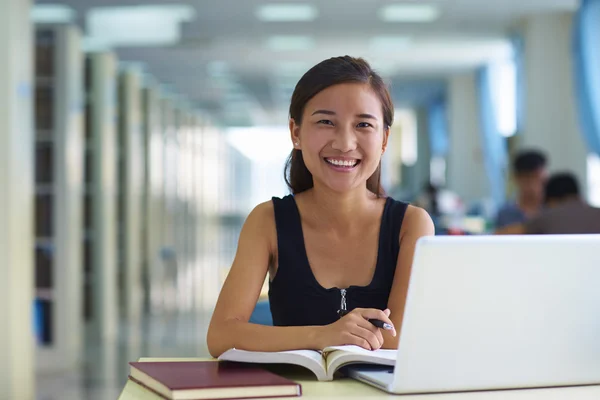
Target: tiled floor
[(104, 369)]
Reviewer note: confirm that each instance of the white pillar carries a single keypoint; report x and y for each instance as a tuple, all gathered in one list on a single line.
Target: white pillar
[(182, 217), (131, 183), (170, 171), (102, 144), (466, 170), (179, 221), (154, 164), (16, 202), (199, 204), (550, 119), (419, 172), (168, 259)]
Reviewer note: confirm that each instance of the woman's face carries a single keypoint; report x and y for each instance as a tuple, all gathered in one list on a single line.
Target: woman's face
[(342, 136)]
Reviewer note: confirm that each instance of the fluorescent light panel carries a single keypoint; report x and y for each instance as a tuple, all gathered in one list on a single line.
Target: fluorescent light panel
[(409, 13), (137, 25), (52, 13), (290, 43), (286, 12)]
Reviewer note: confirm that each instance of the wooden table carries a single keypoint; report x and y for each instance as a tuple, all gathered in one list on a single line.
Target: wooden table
[(347, 388)]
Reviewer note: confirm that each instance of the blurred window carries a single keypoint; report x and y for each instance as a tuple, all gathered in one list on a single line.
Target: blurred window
[(503, 80), (593, 172)]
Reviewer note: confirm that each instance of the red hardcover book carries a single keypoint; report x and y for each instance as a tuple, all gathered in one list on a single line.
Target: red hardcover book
[(208, 380)]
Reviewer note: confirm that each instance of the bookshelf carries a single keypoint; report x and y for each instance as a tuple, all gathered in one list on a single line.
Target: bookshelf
[(100, 197), (59, 148)]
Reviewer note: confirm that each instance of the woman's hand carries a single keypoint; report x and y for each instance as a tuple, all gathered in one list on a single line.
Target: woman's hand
[(355, 329)]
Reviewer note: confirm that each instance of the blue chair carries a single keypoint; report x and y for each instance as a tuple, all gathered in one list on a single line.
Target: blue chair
[(262, 314)]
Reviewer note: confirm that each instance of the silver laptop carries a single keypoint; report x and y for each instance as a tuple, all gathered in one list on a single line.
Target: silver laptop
[(498, 312)]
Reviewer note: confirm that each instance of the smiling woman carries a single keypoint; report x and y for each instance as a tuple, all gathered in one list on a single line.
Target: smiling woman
[(354, 83), (337, 250)]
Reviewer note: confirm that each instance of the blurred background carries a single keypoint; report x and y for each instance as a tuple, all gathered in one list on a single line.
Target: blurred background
[(136, 135)]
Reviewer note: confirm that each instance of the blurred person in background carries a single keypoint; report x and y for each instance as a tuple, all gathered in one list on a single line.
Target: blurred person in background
[(337, 251), (530, 175), (566, 211), (429, 199)]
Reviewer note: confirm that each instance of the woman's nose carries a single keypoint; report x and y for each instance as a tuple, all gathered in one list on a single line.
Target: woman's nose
[(345, 140)]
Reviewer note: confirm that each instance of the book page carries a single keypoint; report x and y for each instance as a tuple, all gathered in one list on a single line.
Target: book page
[(310, 359), (385, 353), (339, 356)]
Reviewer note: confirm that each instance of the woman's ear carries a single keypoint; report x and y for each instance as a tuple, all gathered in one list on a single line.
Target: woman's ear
[(294, 133), (386, 134)]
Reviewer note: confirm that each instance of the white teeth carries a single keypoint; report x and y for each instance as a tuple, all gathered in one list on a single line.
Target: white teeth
[(342, 163)]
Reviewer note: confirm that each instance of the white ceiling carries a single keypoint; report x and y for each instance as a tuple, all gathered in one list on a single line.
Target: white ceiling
[(221, 63)]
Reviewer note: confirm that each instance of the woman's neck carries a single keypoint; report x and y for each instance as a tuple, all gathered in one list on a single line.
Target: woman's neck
[(341, 211)]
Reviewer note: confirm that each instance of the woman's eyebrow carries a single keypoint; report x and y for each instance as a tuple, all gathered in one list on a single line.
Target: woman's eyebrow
[(368, 116), (326, 112), (329, 112)]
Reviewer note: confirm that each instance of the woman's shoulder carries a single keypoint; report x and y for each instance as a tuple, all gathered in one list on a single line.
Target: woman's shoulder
[(416, 221), (262, 212), (265, 213), (260, 224)]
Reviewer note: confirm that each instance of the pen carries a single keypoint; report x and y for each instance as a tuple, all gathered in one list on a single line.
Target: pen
[(380, 324)]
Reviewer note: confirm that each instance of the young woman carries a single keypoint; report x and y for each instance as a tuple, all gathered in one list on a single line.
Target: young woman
[(338, 251)]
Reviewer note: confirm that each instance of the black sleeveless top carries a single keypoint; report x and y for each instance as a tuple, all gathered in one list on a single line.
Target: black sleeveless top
[(295, 296)]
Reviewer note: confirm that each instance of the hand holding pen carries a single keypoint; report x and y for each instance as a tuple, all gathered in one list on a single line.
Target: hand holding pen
[(380, 324), (358, 327)]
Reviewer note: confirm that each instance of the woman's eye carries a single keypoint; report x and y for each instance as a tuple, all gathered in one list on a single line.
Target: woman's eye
[(364, 125), (325, 121)]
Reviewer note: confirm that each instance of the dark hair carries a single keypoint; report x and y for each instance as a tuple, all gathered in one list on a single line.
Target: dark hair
[(327, 73), (529, 161), (561, 185)]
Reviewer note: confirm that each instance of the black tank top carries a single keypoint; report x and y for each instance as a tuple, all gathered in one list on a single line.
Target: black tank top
[(295, 296)]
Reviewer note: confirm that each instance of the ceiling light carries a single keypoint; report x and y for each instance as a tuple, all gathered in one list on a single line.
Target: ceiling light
[(290, 43), (138, 25), (286, 12), (387, 43), (409, 13), (52, 14)]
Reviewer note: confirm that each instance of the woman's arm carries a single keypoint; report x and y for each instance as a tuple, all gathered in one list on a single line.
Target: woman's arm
[(417, 223), (229, 326)]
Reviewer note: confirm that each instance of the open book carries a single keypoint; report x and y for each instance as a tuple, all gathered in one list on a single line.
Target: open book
[(323, 364)]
